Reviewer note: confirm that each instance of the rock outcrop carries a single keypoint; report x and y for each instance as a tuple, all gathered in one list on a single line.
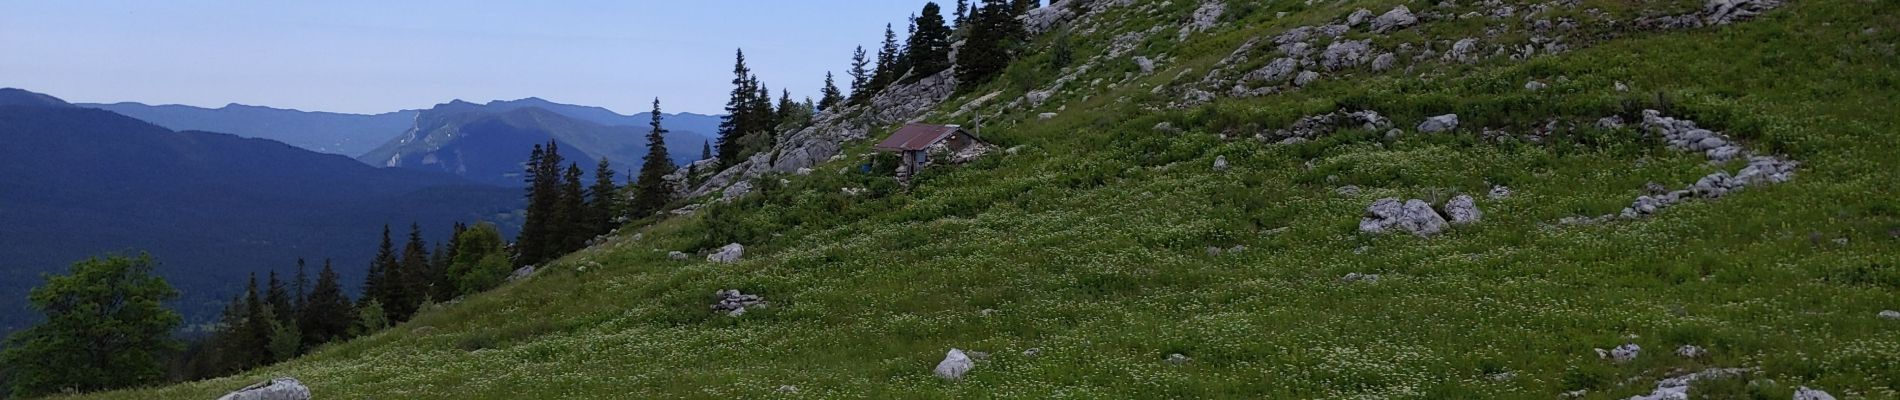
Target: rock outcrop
[(274, 389), (731, 253), (1412, 216)]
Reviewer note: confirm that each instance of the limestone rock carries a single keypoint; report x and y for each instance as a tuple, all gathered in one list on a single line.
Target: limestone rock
[(1178, 359), (1413, 216), (677, 256), (275, 389), (1399, 18), (1463, 210), (1220, 163), (734, 304), (1358, 277), (1147, 65), (1384, 61), (1534, 86), (731, 253), (521, 273), (954, 365), (1500, 192), (1691, 351), (1359, 16), (1345, 54), (1305, 77), (1804, 393), (1439, 124), (1890, 315)]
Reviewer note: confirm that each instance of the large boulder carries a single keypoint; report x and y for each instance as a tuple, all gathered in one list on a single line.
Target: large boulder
[(1439, 123), (1399, 18), (1346, 54), (954, 365), (1414, 216), (274, 389), (731, 253), (1463, 210)]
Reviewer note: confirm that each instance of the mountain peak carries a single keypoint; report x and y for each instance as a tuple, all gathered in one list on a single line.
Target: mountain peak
[(22, 97)]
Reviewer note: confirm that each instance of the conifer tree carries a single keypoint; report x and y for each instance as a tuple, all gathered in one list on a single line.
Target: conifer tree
[(928, 51), (604, 203), (277, 296), (541, 234), (887, 61), (573, 210), (414, 275), (328, 314), (994, 33), (705, 150), (860, 77), (963, 13), (258, 326), (829, 96), (302, 289), (534, 226), (378, 285), (1023, 6), (651, 192), (733, 126)]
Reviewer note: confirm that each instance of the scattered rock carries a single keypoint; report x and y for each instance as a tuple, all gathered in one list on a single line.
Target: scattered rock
[(1165, 127), (787, 389), (1178, 359), (1890, 315), (734, 303), (521, 273), (1213, 251), (1384, 61), (1464, 50), (1399, 18), (1414, 216), (1037, 97), (1046, 116), (1359, 17), (1147, 65), (1502, 376), (1348, 191), (1677, 388), (1345, 54), (803, 171), (1220, 163), (1358, 277), (1305, 77), (1691, 351), (1621, 354), (1534, 86), (1439, 124), (274, 389), (1620, 87), (1032, 352), (1463, 210), (727, 255), (1500, 192), (954, 365), (1236, 249), (677, 256), (1804, 393), (1721, 12)]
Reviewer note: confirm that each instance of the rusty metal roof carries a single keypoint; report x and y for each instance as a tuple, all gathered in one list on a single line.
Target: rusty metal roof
[(916, 137)]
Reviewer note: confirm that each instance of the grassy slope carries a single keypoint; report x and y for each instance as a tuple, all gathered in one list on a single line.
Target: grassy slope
[(1089, 243)]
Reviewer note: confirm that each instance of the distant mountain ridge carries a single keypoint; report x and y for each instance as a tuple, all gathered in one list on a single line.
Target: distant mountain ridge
[(488, 142), (211, 207), (356, 135)]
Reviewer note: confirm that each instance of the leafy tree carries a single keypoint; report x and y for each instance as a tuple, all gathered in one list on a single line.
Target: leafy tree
[(604, 203), (286, 342), (106, 325), (860, 77), (370, 319), (928, 51), (651, 191), (481, 259), (328, 314), (739, 109), (829, 96)]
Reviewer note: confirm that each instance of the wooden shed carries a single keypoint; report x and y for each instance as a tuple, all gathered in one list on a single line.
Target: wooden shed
[(915, 142)]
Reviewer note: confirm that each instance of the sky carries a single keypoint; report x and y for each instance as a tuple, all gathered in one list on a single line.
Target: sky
[(362, 57)]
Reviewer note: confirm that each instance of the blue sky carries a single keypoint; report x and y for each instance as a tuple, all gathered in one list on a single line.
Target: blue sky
[(377, 56)]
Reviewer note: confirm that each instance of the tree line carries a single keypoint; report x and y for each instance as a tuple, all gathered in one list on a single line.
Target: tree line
[(992, 34)]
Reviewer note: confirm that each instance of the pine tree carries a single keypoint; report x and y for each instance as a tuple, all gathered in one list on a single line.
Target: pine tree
[(994, 34), (829, 96), (604, 197), (929, 48), (378, 285), (887, 61), (414, 277), (651, 192), (860, 77), (277, 296), (732, 126), (328, 315), (573, 213)]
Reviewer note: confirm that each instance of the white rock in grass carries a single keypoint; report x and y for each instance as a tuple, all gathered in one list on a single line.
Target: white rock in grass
[(1624, 353), (1220, 163), (1890, 314), (1046, 116), (1399, 17), (1500, 192), (727, 255), (954, 365), (1032, 352), (677, 256), (1178, 359), (1358, 277), (787, 389), (1804, 393), (1463, 210), (1691, 351), (1358, 17), (1534, 86), (1421, 219), (275, 389), (521, 273), (1439, 124)]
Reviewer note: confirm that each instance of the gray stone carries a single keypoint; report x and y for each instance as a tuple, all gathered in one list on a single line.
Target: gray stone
[(1032, 352), (1165, 127), (1534, 86), (1347, 191), (731, 253), (734, 304), (1274, 72), (1625, 353), (1345, 54), (1500, 192), (1358, 277), (1383, 62), (1399, 18), (1147, 66), (1439, 124), (1890, 315), (1464, 50), (1691, 351), (1463, 210), (1178, 359), (1804, 393), (1305, 77), (1414, 216), (1220, 163), (677, 256), (1046, 116), (954, 365), (275, 389), (1359, 17), (521, 273)]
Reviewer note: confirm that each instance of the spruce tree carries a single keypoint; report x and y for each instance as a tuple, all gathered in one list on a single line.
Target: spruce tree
[(415, 277), (258, 326), (887, 61), (705, 150), (963, 13), (328, 315), (732, 126), (534, 226), (929, 48), (651, 192), (378, 285), (573, 213), (277, 296), (604, 201), (541, 235), (302, 289), (994, 33), (829, 96), (860, 77)]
